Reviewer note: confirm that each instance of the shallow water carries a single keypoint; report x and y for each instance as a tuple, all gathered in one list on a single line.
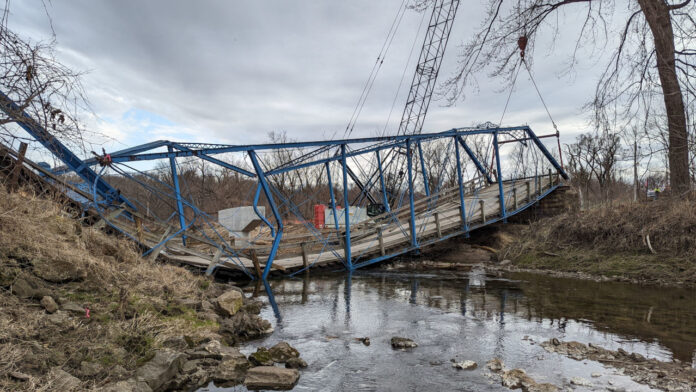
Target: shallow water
[(469, 316)]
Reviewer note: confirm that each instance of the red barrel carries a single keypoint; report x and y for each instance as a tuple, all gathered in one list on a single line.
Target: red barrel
[(319, 217)]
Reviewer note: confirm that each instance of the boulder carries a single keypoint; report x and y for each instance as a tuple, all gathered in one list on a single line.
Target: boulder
[(282, 351), (73, 308), (231, 371), (244, 326), (206, 306), (465, 365), (163, 367), (230, 302), (295, 363), (28, 287), (57, 270), (59, 318), (222, 352), (517, 378), (60, 380), (399, 342), (49, 304), (579, 381), (262, 357), (176, 343), (271, 377), (129, 385)]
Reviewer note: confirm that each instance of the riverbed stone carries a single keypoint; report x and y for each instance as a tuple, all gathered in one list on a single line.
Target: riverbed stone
[(244, 326), (230, 302), (49, 304), (399, 342), (465, 365), (495, 365), (62, 380), (282, 351), (221, 351), (295, 363), (579, 381), (262, 357), (517, 378), (161, 368), (271, 377)]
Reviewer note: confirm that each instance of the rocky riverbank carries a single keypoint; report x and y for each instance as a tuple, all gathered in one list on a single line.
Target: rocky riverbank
[(80, 310)]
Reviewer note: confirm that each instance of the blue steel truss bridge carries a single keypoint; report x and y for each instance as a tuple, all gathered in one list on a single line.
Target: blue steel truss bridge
[(449, 188)]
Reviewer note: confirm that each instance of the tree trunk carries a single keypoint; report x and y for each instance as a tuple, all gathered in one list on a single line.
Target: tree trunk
[(658, 17)]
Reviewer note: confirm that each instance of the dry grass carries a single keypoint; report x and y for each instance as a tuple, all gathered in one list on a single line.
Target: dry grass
[(135, 305), (613, 240)]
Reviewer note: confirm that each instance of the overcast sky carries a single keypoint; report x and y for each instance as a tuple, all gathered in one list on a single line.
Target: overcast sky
[(232, 71)]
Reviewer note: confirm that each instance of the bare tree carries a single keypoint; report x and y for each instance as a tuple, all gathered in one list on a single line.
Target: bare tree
[(654, 53)]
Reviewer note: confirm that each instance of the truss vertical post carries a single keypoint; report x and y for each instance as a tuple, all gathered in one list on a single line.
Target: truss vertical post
[(346, 208), (177, 189), (409, 159), (274, 208), (425, 174), (501, 192), (462, 210), (385, 199), (331, 192)]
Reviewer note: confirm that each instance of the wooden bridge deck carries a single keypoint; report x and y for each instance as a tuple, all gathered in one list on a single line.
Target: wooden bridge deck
[(437, 216)]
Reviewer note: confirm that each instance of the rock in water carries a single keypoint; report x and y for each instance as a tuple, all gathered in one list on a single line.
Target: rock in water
[(495, 365), (49, 304), (271, 377), (295, 363), (231, 371), (262, 357), (465, 365), (282, 351), (399, 342), (517, 378), (579, 381), (165, 365), (230, 302), (62, 380)]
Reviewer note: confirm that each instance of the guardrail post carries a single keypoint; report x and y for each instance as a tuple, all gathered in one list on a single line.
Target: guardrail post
[(274, 208), (437, 224), (305, 258), (550, 178), (528, 185), (483, 211), (414, 240), (462, 202), (346, 208), (501, 192), (514, 198), (177, 189), (333, 198), (385, 199)]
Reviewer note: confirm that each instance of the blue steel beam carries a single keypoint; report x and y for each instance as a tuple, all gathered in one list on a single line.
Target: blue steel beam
[(461, 187), (501, 194), (481, 168), (52, 144), (425, 174), (333, 198), (217, 161), (414, 240), (346, 207), (385, 198), (276, 214), (177, 191), (546, 153), (390, 141), (128, 151)]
